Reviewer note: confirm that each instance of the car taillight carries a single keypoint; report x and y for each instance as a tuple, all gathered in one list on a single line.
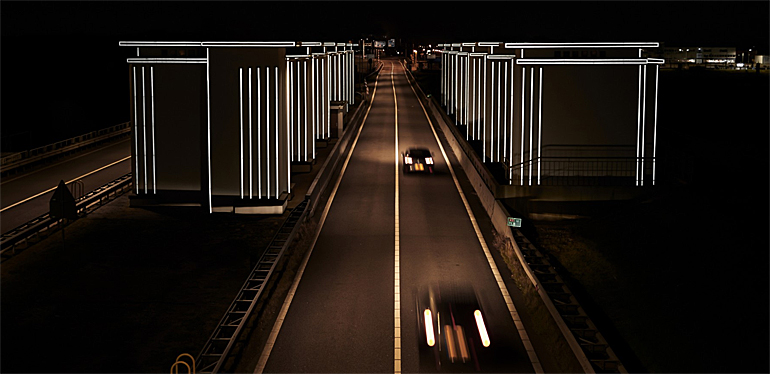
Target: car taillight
[(429, 328), (482, 328), (408, 160), (429, 160)]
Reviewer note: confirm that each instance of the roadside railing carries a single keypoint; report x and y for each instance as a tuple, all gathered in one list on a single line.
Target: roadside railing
[(25, 158), (578, 171), (41, 227)]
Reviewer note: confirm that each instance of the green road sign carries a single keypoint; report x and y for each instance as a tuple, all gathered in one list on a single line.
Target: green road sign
[(514, 222)]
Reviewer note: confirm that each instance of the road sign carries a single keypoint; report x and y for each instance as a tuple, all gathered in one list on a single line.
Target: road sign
[(514, 222), (62, 204)]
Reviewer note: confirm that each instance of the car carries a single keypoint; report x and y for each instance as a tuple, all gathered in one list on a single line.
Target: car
[(418, 160), (452, 330)]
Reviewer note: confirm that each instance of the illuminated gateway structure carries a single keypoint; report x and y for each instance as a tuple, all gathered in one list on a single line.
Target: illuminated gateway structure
[(222, 124), (555, 114)]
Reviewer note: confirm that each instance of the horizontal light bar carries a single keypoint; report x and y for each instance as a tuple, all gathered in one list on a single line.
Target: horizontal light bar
[(309, 44), (159, 44), (298, 56), (451, 52), (501, 57), (585, 45), (456, 45), (165, 60), (340, 44), (657, 61), (319, 54), (489, 44), (477, 54), (585, 61), (465, 45), (248, 44), (330, 44), (461, 53)]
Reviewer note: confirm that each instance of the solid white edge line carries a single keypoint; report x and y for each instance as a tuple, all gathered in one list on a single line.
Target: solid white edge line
[(397, 248), (498, 278), (68, 182), (290, 296)]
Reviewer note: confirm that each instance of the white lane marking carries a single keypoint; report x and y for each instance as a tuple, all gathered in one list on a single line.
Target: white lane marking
[(4, 181), (499, 279), (397, 245), (290, 296), (68, 182)]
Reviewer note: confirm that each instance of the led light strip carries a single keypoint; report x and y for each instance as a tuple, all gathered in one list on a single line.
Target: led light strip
[(295, 284), (655, 128), (644, 110), (584, 45), (531, 103), (291, 93), (540, 124), (259, 133), (510, 160), (495, 272), (136, 139), (208, 129), (585, 61), (165, 60), (523, 94), (240, 102), (277, 135), (144, 132), (638, 122), (152, 127)]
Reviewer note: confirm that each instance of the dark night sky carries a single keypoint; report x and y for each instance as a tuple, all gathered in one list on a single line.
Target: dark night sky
[(61, 62)]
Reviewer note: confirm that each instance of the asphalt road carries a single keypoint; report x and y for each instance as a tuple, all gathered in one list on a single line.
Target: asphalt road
[(18, 200), (341, 318)]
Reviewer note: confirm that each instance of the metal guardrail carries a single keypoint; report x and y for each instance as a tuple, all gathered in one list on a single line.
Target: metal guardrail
[(41, 227), (591, 341), (14, 161), (217, 349), (580, 170)]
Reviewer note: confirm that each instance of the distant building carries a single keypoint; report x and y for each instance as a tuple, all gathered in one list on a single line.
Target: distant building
[(688, 56)]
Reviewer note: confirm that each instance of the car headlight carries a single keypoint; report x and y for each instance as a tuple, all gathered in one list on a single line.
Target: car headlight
[(408, 160), (429, 160), (429, 328), (482, 328)]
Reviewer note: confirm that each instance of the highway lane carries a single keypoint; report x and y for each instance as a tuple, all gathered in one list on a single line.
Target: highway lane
[(18, 208), (341, 318)]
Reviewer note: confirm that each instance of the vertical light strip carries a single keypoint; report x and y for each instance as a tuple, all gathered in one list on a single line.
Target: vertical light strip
[(318, 129), (208, 125), (539, 124), (531, 103), (144, 132), (259, 132), (505, 110), (303, 137), (267, 128), (277, 124), (655, 127), (478, 95), (523, 94), (288, 143), (510, 161), (305, 105), (644, 110), (136, 134), (240, 102), (152, 127), (492, 112), (325, 90), (499, 108), (484, 121), (290, 92), (251, 137), (397, 250), (638, 121), (312, 104)]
